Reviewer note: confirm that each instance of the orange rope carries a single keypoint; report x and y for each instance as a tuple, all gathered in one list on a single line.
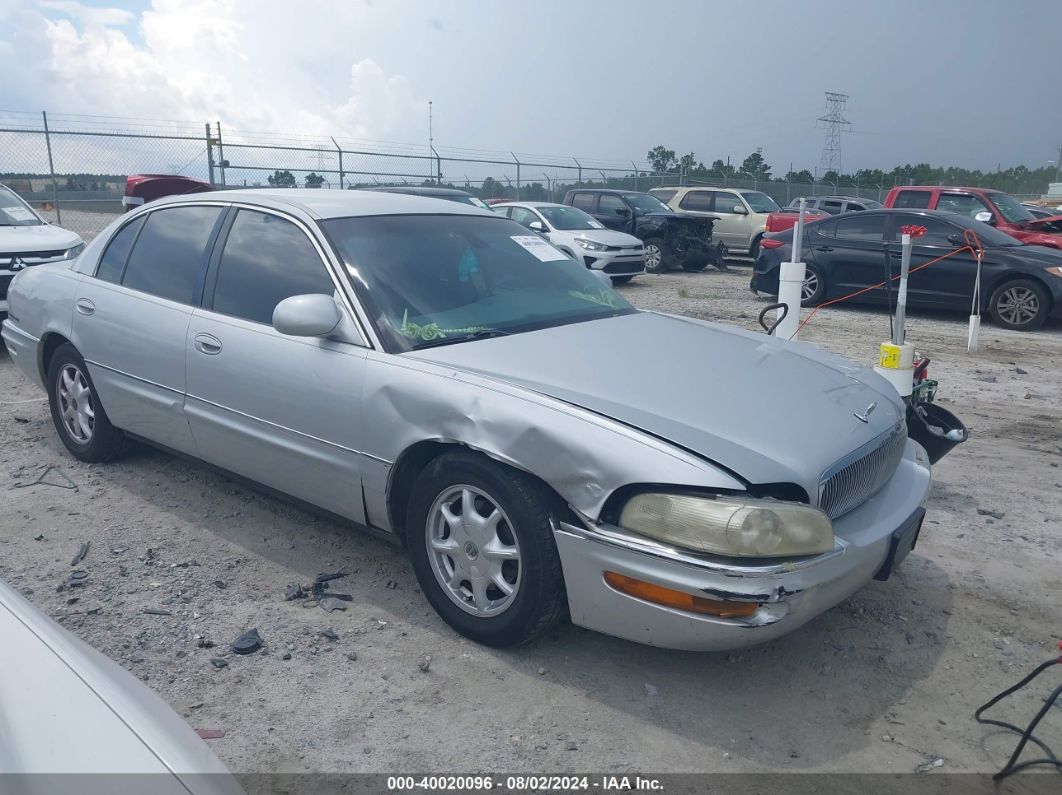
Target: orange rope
[(973, 245)]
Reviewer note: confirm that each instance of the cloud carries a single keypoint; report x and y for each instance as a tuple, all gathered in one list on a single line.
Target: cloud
[(279, 67)]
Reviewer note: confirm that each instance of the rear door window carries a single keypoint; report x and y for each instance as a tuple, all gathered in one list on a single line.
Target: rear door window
[(113, 261), (937, 231), (170, 254), (913, 199), (699, 201), (664, 195), (584, 201), (862, 228), (266, 259), (831, 207)]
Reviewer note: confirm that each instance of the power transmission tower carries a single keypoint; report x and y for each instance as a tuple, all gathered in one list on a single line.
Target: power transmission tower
[(835, 124)]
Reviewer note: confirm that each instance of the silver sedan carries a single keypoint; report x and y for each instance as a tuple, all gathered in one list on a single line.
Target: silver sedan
[(438, 373)]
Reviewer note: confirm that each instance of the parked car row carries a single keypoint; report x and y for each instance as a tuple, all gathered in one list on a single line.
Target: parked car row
[(1021, 285)]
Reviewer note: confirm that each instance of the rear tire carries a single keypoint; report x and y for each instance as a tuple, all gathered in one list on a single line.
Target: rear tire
[(1020, 304), (78, 415), (657, 256), (813, 291), (496, 582), (754, 249)]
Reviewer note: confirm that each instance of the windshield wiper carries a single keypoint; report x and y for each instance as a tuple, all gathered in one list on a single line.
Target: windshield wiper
[(482, 334)]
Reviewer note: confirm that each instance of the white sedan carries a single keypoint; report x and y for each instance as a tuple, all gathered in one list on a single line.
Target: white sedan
[(581, 236)]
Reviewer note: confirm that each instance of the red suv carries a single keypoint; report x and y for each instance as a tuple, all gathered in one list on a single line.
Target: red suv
[(1005, 213)]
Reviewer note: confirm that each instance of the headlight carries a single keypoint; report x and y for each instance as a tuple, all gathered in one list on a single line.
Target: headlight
[(590, 245), (730, 525), (70, 253)]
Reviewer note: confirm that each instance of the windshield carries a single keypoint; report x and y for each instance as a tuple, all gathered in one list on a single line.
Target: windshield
[(14, 211), (569, 219), (989, 235), (760, 202), (1010, 208), (437, 279), (645, 203)]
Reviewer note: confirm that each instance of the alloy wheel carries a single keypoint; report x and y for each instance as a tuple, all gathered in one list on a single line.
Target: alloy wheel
[(653, 257), (810, 285), (75, 404), (1018, 305), (473, 551)]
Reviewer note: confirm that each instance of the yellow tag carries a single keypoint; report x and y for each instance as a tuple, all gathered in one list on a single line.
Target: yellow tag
[(890, 356)]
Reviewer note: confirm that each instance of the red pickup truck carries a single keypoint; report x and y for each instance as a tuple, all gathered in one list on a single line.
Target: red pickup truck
[(786, 218), (1001, 210)]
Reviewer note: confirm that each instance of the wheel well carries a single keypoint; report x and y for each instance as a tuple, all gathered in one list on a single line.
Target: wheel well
[(48, 345), (414, 460)]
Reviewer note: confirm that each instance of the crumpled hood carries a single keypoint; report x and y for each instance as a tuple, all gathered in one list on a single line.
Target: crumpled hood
[(1050, 226), (29, 239), (767, 410)]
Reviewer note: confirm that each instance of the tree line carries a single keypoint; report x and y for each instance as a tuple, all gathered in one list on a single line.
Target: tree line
[(1019, 179)]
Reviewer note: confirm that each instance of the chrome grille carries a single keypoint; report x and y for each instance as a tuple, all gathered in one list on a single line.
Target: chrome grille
[(854, 479)]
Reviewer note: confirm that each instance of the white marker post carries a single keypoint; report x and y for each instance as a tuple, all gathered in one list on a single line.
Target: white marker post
[(791, 284), (896, 358)]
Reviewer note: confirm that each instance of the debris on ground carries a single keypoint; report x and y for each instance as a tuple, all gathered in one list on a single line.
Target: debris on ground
[(1019, 371), (331, 603), (990, 379), (392, 585), (330, 634), (75, 579), (352, 656), (220, 585), (931, 764), (155, 611), (39, 537), (204, 643), (42, 479), (22, 420), (248, 643), (81, 552), (294, 592), (286, 655), (210, 734), (219, 662), (993, 514), (651, 690), (425, 664)]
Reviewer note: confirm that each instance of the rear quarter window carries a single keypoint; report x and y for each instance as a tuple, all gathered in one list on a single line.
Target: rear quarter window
[(112, 263), (664, 195)]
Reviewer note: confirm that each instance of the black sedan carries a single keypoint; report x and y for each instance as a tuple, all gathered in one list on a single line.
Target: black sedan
[(1021, 286)]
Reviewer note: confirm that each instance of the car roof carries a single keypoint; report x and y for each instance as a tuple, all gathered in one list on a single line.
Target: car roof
[(946, 188), (418, 190), (604, 190), (532, 204), (324, 203)]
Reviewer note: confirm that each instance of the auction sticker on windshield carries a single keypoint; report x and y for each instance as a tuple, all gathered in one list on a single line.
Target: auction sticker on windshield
[(539, 247), (19, 213)]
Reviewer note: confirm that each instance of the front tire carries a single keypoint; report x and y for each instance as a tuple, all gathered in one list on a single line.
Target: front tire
[(1021, 305), (621, 279), (657, 256), (481, 541), (78, 415)]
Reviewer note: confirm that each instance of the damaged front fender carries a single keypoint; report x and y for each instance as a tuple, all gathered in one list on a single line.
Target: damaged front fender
[(583, 456)]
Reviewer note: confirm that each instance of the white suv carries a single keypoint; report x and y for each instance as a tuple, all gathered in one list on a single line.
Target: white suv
[(581, 236), (740, 215), (26, 240)]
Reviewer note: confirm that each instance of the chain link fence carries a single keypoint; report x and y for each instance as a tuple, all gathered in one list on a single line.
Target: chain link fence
[(72, 168)]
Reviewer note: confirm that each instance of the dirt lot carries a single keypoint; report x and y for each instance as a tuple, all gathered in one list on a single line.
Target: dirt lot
[(884, 682)]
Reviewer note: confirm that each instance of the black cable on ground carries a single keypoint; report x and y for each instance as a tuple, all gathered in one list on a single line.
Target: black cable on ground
[(1012, 765)]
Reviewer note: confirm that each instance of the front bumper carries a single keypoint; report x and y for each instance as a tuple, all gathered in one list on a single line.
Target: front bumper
[(789, 594), (615, 263)]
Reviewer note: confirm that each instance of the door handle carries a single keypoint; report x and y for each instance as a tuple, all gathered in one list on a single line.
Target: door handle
[(207, 343), (824, 248), (85, 306)]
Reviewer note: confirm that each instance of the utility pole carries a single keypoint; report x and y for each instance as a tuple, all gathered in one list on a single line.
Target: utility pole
[(1058, 165), (431, 140), (835, 124)]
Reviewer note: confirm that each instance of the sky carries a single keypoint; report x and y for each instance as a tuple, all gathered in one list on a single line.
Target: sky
[(972, 84)]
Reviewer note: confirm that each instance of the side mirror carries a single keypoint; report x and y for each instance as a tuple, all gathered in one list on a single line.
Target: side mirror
[(538, 226), (623, 211), (985, 217), (313, 315), (956, 239), (740, 210)]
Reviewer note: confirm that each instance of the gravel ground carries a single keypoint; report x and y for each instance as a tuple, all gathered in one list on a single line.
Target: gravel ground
[(882, 683)]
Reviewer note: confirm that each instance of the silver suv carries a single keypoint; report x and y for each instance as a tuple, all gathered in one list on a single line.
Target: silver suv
[(740, 215)]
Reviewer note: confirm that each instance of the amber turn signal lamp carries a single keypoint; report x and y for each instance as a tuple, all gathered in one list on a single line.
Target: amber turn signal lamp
[(659, 595)]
